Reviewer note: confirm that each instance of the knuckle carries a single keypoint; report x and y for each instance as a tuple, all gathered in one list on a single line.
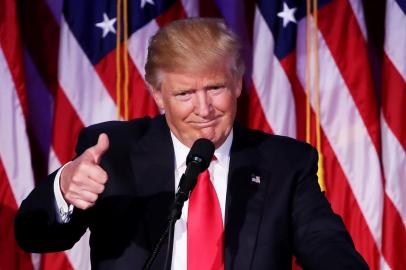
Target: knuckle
[(88, 205), (83, 166), (104, 179), (77, 204), (89, 196), (76, 179), (99, 189), (82, 205), (93, 197), (69, 198)]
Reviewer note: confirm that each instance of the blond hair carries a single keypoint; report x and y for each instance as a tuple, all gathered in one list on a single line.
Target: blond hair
[(192, 45)]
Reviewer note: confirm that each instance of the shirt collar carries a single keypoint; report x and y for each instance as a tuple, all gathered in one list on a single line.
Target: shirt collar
[(181, 151)]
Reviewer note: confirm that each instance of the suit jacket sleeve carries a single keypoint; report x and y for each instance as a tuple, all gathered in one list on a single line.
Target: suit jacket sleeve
[(36, 226), (320, 238)]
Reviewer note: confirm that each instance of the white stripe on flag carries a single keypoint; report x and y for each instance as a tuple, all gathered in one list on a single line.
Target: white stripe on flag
[(36, 260), (272, 84), (358, 9), (81, 83), (395, 38), (53, 162), (79, 254), (191, 8), (138, 45), (347, 134), (383, 264), (394, 166), (14, 146)]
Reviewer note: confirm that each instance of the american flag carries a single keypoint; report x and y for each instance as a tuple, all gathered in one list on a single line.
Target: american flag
[(61, 70)]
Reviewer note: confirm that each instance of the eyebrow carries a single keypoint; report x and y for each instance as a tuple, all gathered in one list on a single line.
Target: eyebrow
[(207, 87), (215, 85), (183, 90)]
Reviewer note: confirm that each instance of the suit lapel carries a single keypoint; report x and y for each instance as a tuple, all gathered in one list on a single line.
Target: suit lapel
[(244, 203), (152, 161)]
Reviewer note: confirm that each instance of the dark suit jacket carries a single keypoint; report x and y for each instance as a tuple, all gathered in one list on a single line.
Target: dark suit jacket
[(265, 223)]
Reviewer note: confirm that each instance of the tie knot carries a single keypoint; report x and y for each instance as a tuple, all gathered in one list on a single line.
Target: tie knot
[(205, 175)]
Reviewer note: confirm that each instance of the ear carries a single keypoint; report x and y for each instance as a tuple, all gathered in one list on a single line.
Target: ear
[(238, 87), (157, 94)]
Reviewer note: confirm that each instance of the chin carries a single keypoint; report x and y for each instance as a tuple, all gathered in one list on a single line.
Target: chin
[(207, 132), (211, 138)]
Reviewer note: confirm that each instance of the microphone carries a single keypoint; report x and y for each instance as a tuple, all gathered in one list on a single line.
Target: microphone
[(197, 161)]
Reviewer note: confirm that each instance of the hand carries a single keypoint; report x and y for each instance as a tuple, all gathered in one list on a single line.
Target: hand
[(83, 179)]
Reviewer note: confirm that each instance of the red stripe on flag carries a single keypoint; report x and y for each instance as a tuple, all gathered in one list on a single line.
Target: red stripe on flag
[(394, 100), (394, 236), (106, 69), (66, 127), (175, 12), (343, 35), (11, 45), (38, 25), (341, 197), (288, 63), (338, 190), (256, 117), (11, 255), (40, 32), (343, 203), (140, 101)]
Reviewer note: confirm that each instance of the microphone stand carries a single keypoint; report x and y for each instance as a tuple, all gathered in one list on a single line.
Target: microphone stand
[(175, 214), (201, 152)]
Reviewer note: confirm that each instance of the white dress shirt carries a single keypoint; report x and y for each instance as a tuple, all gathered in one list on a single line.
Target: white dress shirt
[(64, 210), (218, 170)]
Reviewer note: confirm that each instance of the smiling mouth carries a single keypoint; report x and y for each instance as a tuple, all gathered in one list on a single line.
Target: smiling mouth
[(206, 123)]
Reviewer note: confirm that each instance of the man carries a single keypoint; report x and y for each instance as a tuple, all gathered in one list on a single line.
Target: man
[(267, 205)]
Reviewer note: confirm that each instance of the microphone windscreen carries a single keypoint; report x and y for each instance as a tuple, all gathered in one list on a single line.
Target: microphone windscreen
[(203, 149)]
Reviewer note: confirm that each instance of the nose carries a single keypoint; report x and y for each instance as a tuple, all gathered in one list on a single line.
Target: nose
[(203, 106)]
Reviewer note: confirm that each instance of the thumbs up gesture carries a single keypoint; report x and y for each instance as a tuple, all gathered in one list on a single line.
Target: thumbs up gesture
[(83, 179)]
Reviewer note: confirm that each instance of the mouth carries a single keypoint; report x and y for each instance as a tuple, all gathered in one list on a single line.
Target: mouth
[(204, 124)]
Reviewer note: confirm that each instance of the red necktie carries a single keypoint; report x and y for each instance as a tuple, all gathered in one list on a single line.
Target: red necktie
[(205, 246)]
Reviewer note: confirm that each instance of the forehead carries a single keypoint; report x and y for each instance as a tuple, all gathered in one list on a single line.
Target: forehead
[(188, 80)]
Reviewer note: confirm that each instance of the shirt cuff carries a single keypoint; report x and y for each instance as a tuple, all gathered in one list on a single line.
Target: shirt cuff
[(62, 208)]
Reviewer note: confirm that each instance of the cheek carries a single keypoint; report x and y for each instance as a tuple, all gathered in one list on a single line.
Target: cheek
[(179, 110), (226, 103)]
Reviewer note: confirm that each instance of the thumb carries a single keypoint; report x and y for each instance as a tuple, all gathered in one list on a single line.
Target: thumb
[(100, 148)]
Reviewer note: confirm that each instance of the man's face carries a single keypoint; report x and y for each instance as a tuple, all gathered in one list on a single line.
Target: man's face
[(199, 105)]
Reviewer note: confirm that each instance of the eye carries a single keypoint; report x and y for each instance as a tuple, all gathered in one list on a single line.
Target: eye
[(217, 89), (183, 95)]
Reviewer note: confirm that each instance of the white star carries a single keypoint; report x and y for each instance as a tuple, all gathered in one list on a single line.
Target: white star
[(287, 14), (144, 2), (107, 25)]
